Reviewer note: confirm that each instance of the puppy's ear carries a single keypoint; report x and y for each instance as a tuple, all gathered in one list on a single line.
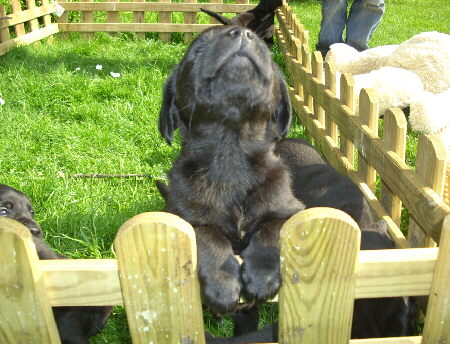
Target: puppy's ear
[(283, 114), (168, 115)]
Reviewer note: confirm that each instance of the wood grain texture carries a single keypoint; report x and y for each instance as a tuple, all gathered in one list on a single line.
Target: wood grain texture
[(394, 137), (317, 72), (189, 18), (330, 82), (46, 18), (157, 260), (132, 27), (437, 320), (4, 32), (34, 24), (87, 17), (319, 250), (26, 315), (165, 17), (19, 29), (27, 15), (348, 99)]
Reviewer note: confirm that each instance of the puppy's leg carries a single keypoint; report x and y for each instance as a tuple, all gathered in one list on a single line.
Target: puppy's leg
[(218, 271), (261, 265), (246, 320)]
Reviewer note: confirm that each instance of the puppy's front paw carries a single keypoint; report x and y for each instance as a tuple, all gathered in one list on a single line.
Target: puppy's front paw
[(221, 287), (261, 273)]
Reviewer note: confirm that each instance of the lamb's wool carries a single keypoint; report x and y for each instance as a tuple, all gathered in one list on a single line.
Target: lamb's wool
[(394, 86), (430, 113), (428, 55)]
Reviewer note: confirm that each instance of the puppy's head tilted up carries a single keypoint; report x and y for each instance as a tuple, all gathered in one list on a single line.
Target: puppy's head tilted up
[(228, 77), (16, 206)]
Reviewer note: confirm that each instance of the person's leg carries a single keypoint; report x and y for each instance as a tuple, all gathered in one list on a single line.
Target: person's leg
[(334, 15), (364, 17)]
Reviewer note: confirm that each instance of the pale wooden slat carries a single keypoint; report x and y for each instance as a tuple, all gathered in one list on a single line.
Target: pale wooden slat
[(394, 137), (368, 113), (133, 27), (34, 24), (431, 162), (391, 340), (4, 32), (88, 17), (165, 17), (154, 6), (28, 38), (306, 62), (319, 251), (422, 202), (19, 29), (211, 19), (112, 17), (189, 18), (139, 17), (437, 320), (27, 15), (317, 72), (46, 18), (26, 315), (347, 97), (157, 259), (330, 82)]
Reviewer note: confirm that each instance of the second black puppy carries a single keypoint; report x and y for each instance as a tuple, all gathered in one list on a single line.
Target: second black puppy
[(75, 324), (230, 101)]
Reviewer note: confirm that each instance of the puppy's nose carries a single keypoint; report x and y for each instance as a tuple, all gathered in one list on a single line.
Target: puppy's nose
[(242, 32)]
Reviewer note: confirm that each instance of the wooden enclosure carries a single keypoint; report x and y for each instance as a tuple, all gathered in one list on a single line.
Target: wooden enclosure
[(155, 276)]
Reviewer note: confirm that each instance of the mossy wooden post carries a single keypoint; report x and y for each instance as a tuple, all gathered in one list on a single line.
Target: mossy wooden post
[(368, 113), (330, 82), (88, 17), (165, 17), (431, 163), (4, 33), (157, 260), (394, 137), (319, 252), (189, 18), (26, 315), (347, 97), (317, 70), (437, 320), (19, 29)]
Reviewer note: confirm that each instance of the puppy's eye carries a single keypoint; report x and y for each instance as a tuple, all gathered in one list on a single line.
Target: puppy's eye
[(3, 211), (32, 212)]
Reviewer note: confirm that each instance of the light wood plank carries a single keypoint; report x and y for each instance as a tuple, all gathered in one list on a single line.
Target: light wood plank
[(330, 82), (88, 17), (317, 72), (157, 259), (46, 18), (27, 15), (26, 315), (34, 24), (139, 17), (319, 251), (347, 98), (394, 137), (132, 27), (19, 29), (4, 32), (437, 320), (165, 17), (189, 18)]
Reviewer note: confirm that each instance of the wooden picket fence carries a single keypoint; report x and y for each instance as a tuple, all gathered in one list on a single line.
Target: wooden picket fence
[(154, 275)]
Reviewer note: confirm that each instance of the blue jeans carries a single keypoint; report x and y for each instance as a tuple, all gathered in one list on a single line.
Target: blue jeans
[(363, 19)]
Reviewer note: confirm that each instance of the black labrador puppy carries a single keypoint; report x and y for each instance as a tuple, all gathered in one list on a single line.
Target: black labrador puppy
[(230, 102), (260, 19), (317, 184), (372, 318), (75, 324)]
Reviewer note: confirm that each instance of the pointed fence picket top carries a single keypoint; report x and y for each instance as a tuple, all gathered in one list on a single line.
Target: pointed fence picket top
[(26, 315), (157, 260)]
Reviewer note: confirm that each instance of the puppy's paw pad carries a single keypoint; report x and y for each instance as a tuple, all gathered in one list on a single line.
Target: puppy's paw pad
[(221, 294), (260, 285)]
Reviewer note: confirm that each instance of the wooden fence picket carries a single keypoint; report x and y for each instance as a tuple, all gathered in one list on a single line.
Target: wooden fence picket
[(189, 18), (4, 31), (165, 17), (88, 17), (19, 29), (347, 97)]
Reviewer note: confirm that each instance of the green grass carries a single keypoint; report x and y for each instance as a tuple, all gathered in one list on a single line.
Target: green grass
[(62, 116)]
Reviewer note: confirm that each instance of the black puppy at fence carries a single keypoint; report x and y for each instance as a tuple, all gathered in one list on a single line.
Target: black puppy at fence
[(230, 102), (75, 324)]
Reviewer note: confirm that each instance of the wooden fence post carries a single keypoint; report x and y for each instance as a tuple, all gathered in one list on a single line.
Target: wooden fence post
[(347, 97), (189, 18), (4, 33), (165, 17), (394, 136), (47, 19), (437, 320), (431, 162), (19, 29), (368, 113), (139, 17), (157, 260), (211, 19), (330, 82), (34, 24), (317, 71), (26, 315), (319, 252), (88, 17), (112, 17)]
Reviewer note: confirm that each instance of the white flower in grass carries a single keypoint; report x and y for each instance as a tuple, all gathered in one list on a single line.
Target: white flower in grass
[(60, 174), (99, 67), (2, 101), (77, 69), (115, 75)]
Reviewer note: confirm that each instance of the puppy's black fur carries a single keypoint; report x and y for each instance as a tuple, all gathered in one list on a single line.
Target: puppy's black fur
[(317, 184), (230, 102), (372, 318), (259, 19), (75, 324)]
